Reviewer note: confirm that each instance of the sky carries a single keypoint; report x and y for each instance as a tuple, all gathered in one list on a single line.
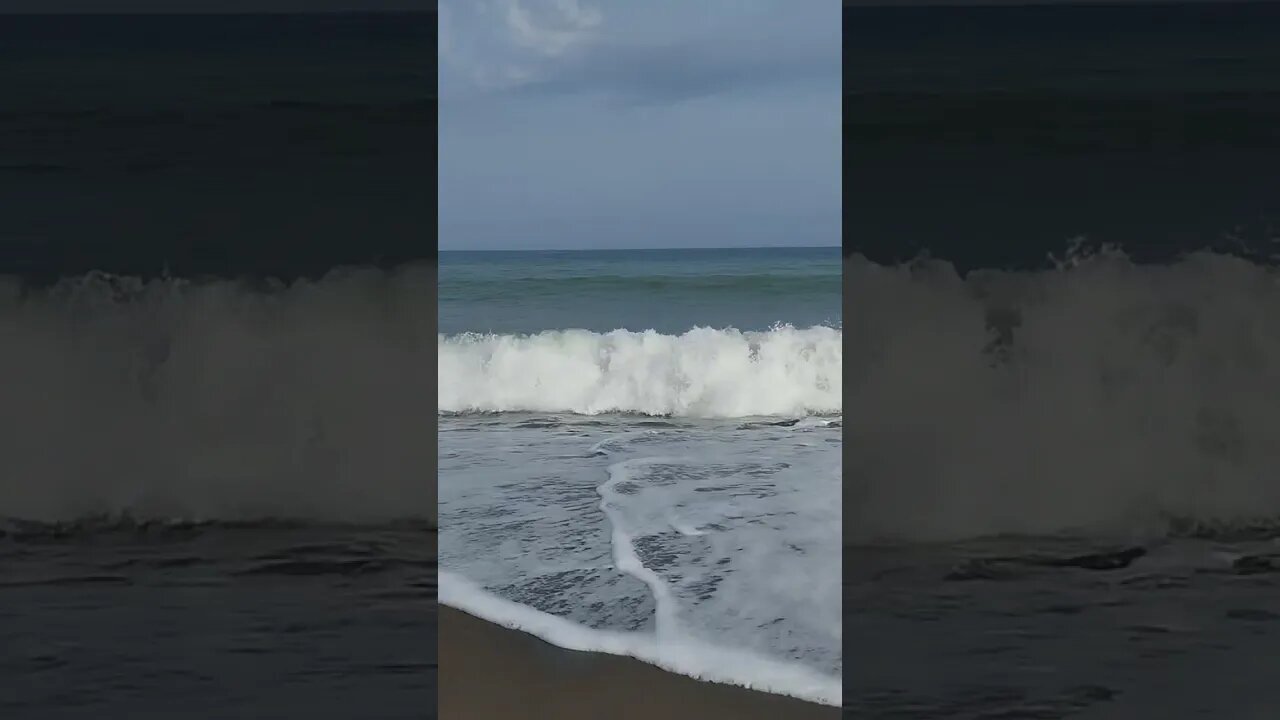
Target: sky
[(584, 124)]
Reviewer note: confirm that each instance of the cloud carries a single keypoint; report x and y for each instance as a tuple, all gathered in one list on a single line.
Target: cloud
[(655, 51), (492, 45), (563, 25), (642, 123), (782, 46)]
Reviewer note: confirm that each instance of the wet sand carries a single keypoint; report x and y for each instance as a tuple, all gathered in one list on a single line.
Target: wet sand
[(487, 671)]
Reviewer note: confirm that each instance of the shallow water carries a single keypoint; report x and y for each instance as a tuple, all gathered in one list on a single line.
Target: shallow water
[(639, 455), (699, 536), (1010, 628), (216, 621)]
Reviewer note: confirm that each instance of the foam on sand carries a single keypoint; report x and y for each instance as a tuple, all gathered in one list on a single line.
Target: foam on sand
[(677, 654)]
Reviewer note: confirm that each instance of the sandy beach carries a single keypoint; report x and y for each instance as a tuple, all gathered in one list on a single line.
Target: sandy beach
[(487, 671)]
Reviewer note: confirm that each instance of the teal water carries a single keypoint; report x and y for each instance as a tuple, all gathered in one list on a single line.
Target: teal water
[(639, 452), (669, 291)]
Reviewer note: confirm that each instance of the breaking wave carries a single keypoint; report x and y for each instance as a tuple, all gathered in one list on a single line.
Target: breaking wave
[(219, 400), (704, 372), (1101, 396)]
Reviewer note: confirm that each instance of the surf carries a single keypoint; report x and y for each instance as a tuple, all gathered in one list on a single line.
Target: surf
[(1098, 397), (218, 399), (704, 372)]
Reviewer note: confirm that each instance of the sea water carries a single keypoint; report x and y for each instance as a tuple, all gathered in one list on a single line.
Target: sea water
[(1062, 309), (639, 454), (216, 481)]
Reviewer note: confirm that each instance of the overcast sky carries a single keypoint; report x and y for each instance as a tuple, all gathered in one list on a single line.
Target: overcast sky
[(621, 123)]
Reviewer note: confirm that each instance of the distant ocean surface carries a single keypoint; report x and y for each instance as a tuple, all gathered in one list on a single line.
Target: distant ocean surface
[(1063, 317), (662, 290), (640, 454), (225, 145), (992, 137)]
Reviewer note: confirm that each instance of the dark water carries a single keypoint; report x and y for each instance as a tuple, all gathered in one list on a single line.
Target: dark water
[(1003, 628), (992, 136), (1060, 496), (217, 502), (217, 620), (224, 145)]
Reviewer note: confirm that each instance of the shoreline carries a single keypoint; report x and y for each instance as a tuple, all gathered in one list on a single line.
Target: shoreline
[(487, 670)]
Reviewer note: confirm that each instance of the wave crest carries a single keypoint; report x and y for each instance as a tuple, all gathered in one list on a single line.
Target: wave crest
[(1101, 396), (218, 400), (704, 372)]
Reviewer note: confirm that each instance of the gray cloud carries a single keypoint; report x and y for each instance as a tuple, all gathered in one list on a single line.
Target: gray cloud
[(657, 51), (568, 24), (492, 45), (696, 67), (663, 123)]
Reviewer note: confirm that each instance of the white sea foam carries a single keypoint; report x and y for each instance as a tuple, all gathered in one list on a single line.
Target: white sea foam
[(219, 401), (682, 655), (696, 541), (1102, 396), (704, 372), (665, 624)]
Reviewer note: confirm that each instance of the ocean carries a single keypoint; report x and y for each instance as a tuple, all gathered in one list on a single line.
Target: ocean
[(215, 145), (1061, 301), (215, 498), (640, 455)]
